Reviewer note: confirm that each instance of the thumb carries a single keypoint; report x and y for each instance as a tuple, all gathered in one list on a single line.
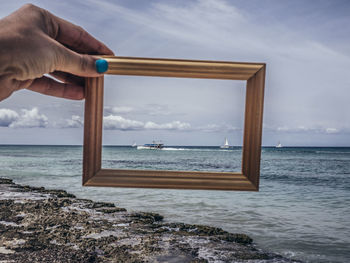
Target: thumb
[(81, 64)]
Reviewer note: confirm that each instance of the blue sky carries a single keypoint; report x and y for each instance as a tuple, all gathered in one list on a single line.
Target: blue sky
[(305, 45)]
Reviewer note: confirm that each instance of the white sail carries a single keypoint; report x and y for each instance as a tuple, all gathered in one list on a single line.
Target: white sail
[(226, 142), (226, 145)]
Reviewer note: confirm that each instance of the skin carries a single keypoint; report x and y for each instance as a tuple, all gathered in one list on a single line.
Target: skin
[(34, 42)]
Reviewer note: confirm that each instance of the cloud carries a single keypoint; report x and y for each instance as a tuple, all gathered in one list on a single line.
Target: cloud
[(28, 119), (216, 24), (199, 22), (74, 122), (332, 130), (149, 109), (175, 125), (118, 109), (300, 66), (7, 117), (158, 109), (306, 82), (308, 129), (217, 128), (115, 122)]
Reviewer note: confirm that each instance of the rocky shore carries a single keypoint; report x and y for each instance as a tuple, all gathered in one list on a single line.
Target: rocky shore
[(40, 225)]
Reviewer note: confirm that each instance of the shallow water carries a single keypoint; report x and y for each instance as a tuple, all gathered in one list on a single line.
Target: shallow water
[(302, 210)]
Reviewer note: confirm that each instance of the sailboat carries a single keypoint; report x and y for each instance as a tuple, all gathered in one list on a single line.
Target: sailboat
[(226, 145), (279, 145)]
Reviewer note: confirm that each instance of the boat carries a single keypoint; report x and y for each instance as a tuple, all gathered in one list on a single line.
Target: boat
[(226, 145), (134, 145), (151, 146), (279, 145)]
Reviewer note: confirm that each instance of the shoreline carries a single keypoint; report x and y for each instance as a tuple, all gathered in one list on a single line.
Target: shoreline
[(54, 226)]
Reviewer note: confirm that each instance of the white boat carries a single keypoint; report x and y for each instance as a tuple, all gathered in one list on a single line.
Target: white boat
[(279, 145), (226, 145), (134, 145), (151, 146)]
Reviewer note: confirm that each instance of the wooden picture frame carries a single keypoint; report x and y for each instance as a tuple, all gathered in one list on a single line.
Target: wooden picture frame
[(245, 180)]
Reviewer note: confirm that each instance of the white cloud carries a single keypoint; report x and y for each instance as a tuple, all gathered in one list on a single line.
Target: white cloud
[(308, 129), (149, 109), (217, 128), (115, 122), (158, 109), (118, 109), (210, 128), (30, 119), (175, 125), (7, 117), (332, 130), (74, 122)]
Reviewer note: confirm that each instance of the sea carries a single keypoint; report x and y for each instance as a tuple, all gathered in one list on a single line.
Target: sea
[(302, 210)]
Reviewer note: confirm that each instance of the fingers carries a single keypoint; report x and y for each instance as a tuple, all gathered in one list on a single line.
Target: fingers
[(77, 38), (68, 78), (51, 87), (73, 44), (76, 64)]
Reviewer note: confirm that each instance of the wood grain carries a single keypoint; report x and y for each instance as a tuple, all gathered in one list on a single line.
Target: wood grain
[(180, 68), (93, 117), (245, 180), (253, 127), (171, 180)]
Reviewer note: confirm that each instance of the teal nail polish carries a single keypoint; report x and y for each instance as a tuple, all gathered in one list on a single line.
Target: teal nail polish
[(101, 65)]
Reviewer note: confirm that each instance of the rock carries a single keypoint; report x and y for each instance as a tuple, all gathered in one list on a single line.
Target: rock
[(111, 210), (148, 218), (6, 181), (57, 227), (102, 204)]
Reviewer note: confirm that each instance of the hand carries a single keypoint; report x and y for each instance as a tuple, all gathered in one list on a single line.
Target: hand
[(33, 42)]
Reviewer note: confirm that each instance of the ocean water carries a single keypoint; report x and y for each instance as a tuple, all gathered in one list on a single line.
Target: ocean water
[(302, 210)]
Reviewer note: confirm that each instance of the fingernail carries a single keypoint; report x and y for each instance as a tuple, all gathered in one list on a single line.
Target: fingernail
[(101, 65)]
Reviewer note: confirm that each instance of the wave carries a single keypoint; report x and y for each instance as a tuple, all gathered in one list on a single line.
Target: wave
[(332, 152), (188, 149), (174, 149), (198, 149)]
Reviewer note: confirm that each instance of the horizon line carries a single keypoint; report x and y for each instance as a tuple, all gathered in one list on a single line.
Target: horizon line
[(129, 145)]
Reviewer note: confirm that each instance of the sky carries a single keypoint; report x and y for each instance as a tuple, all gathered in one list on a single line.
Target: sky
[(305, 45)]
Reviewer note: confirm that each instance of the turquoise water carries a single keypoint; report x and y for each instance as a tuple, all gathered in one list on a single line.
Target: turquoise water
[(302, 210)]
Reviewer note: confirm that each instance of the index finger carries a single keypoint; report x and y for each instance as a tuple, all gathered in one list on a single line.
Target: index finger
[(76, 38)]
